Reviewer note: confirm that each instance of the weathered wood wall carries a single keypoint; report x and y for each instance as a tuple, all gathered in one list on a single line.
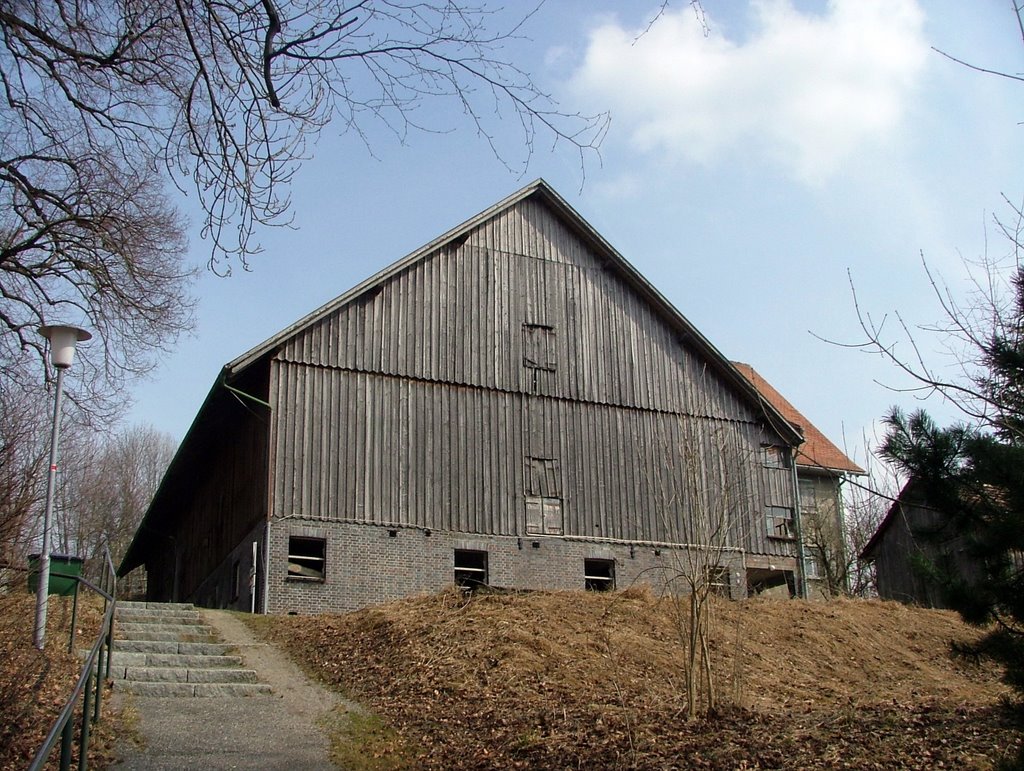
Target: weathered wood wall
[(422, 401), (222, 499)]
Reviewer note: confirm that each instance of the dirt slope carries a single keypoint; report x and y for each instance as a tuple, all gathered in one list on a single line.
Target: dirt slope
[(34, 685), (575, 680)]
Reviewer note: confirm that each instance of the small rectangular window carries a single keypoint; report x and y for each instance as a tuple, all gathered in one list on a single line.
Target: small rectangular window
[(773, 456), (543, 477), (780, 523), (812, 565), (599, 575), (307, 558), (808, 498), (470, 569), (236, 579), (539, 347), (543, 515)]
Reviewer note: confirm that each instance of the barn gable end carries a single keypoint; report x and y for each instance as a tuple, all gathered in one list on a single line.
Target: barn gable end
[(512, 390)]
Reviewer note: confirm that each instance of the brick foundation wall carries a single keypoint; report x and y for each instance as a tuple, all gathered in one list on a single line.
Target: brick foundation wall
[(370, 564)]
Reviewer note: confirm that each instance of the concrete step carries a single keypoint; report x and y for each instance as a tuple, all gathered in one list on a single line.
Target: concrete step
[(151, 636), (187, 675), (187, 630), (167, 651), (120, 659), (201, 690), (170, 646), (155, 617), (168, 606)]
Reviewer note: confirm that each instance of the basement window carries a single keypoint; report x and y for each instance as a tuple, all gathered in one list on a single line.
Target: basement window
[(599, 575), (307, 558), (543, 515), (470, 569), (718, 581), (779, 521)]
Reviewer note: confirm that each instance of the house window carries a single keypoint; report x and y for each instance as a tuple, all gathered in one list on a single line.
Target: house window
[(599, 575), (812, 565), (543, 515), (773, 456), (543, 477), (307, 558), (780, 523), (470, 569), (539, 347), (236, 579), (808, 498)]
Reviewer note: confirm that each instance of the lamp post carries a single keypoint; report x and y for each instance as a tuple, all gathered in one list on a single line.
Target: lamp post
[(62, 352)]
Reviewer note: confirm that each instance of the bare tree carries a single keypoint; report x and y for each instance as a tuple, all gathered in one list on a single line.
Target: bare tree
[(702, 494), (956, 366), (103, 104), (106, 488), (24, 447)]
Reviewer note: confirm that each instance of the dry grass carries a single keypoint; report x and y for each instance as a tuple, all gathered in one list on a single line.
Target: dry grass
[(567, 680), (34, 685)]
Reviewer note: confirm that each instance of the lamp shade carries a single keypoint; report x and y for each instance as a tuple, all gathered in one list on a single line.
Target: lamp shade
[(62, 343)]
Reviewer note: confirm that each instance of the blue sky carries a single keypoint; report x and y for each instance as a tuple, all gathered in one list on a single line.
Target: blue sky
[(747, 174)]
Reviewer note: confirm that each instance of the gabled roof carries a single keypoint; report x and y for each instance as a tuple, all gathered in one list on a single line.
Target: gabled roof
[(199, 432), (541, 190), (895, 510), (816, 451)]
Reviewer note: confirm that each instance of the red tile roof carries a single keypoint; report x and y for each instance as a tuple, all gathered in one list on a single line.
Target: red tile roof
[(816, 451)]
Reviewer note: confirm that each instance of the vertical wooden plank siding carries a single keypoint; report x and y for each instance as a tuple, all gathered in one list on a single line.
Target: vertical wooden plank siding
[(230, 493), (412, 404)]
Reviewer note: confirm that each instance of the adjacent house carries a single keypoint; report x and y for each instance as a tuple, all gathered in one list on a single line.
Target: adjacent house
[(821, 469), (512, 404)]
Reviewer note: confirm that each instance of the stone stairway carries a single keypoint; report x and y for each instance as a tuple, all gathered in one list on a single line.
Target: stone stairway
[(165, 649)]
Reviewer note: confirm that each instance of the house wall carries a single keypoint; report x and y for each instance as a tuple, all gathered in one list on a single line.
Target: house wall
[(822, 519), (370, 448), (368, 564), (422, 402)]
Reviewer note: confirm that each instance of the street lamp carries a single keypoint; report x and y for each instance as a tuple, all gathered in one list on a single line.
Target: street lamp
[(62, 352)]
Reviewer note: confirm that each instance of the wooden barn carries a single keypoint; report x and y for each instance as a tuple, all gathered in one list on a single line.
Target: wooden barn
[(511, 405)]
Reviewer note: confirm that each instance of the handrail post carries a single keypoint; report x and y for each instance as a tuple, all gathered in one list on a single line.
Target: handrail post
[(83, 736), (99, 688), (110, 640), (67, 738)]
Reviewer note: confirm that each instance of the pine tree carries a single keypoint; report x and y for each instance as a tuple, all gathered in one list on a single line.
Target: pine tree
[(972, 477)]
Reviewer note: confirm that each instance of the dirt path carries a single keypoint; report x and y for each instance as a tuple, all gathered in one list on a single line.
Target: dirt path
[(283, 731)]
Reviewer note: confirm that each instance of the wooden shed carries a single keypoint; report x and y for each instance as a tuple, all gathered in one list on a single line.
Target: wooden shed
[(512, 404), (911, 539)]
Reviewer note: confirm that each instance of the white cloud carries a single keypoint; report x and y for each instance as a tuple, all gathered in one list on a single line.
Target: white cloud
[(807, 91)]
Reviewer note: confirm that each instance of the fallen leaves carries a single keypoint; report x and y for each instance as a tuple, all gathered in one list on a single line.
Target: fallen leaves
[(573, 680)]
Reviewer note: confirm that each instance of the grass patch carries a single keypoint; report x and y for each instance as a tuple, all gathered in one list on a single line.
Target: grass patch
[(361, 741)]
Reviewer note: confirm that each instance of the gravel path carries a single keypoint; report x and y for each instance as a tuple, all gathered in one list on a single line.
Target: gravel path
[(282, 731)]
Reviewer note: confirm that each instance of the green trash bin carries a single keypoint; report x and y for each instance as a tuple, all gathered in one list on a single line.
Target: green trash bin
[(63, 569)]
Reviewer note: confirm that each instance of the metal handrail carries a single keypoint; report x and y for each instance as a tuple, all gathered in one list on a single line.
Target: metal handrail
[(90, 683)]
